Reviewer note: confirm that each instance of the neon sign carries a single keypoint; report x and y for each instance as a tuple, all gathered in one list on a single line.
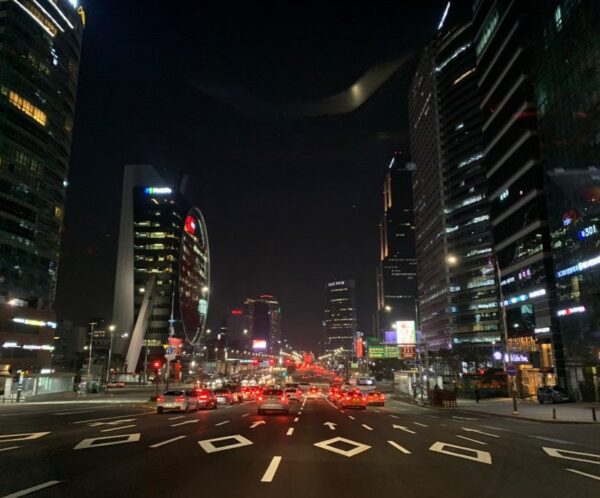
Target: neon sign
[(571, 311), (584, 265), (588, 232), (157, 190)]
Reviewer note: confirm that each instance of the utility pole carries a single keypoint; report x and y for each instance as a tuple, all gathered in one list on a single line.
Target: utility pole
[(111, 331), (89, 368)]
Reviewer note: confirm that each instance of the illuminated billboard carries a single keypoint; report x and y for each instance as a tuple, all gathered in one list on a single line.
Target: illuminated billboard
[(404, 333), (259, 344)]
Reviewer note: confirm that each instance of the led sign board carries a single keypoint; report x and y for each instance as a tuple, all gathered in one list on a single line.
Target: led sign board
[(259, 344), (157, 190)]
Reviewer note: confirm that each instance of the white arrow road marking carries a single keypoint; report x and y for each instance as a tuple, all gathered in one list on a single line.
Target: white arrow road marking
[(32, 490), (186, 422), (208, 446), (245, 415), (558, 453), (479, 455), (271, 469), (108, 441), (331, 425), (222, 423), (257, 423), (591, 476), (358, 447), (115, 422), (7, 438), (402, 428), (367, 427), (469, 439), (290, 431), (422, 425), (177, 417), (118, 428), (9, 448), (398, 447), (479, 432), (463, 418), (157, 445)]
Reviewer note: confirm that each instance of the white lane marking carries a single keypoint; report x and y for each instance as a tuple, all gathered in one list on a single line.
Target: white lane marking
[(112, 418), (157, 445), (558, 453), (27, 436), (463, 418), (367, 427), (331, 404), (290, 431), (271, 469), (479, 432), (591, 476), (561, 441), (32, 489), (473, 440), (256, 424), (494, 428), (327, 445), (108, 441), (245, 415), (351, 417), (304, 402), (479, 455), (331, 425), (76, 412), (398, 447), (422, 425), (394, 416), (299, 412), (222, 423), (402, 428), (433, 416), (375, 411), (118, 428), (186, 422), (115, 422), (9, 448), (208, 446), (296, 419), (177, 417)]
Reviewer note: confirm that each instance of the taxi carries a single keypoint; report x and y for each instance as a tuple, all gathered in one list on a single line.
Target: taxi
[(353, 399), (375, 398)]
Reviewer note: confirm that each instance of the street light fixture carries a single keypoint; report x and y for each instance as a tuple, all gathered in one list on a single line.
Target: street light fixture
[(111, 331), (388, 308), (451, 259)]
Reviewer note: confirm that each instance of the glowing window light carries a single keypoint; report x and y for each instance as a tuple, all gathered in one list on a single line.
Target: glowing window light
[(571, 311), (49, 16), (34, 323), (52, 32), (27, 107)]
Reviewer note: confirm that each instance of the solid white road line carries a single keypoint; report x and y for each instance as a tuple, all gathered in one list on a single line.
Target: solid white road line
[(167, 441), (367, 427), (118, 428), (393, 416), (271, 469), (9, 448), (351, 417), (375, 411), (245, 415), (422, 425), (591, 476), (290, 431), (469, 439), (562, 441), (112, 418), (398, 447), (177, 417), (186, 422), (32, 489), (223, 423), (296, 419)]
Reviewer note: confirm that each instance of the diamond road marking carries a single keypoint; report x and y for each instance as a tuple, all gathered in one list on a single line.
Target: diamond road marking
[(7, 438), (558, 453), (107, 441), (208, 446), (358, 447), (479, 456)]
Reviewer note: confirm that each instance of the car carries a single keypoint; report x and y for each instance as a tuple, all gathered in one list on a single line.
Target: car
[(236, 392), (314, 392), (375, 398), (117, 384), (553, 394), (178, 400), (293, 394), (248, 393), (353, 399), (206, 399), (224, 396), (272, 400)]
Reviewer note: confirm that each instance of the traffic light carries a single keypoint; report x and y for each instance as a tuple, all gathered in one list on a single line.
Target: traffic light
[(271, 362), (255, 363)]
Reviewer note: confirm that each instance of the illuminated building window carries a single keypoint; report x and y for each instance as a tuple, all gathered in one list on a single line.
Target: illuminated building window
[(25, 106)]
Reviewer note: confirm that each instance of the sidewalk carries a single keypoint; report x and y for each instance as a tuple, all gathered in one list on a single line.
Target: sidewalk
[(565, 412)]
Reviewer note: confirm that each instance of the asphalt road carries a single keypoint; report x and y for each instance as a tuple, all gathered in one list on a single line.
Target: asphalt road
[(112, 450)]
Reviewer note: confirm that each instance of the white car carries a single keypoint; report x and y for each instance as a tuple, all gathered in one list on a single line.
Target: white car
[(293, 394), (181, 401), (272, 400)]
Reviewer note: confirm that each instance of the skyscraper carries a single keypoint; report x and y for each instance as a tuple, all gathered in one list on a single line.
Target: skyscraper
[(397, 269), (163, 267), (340, 324), (40, 48), (263, 317)]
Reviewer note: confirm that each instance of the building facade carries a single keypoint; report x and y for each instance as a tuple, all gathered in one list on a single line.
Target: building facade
[(40, 49), (397, 269), (263, 319), (340, 322), (163, 268)]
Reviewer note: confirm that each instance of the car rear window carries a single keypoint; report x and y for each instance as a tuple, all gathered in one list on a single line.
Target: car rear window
[(290, 390), (221, 391), (272, 392), (174, 393)]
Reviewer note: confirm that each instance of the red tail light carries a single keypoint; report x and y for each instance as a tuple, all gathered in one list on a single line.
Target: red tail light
[(260, 398), (160, 399), (348, 397), (283, 398), (203, 396), (180, 399)]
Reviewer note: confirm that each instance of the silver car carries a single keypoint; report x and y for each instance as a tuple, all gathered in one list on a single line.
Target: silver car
[(273, 399), (178, 400)]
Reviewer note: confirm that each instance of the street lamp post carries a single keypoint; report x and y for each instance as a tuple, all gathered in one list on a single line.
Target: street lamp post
[(111, 330), (89, 368)]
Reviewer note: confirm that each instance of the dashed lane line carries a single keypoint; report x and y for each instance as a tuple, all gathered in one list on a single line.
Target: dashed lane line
[(422, 425), (245, 415), (290, 431), (296, 419), (394, 416), (113, 418), (351, 417), (375, 411), (176, 418), (398, 447), (162, 443), (473, 440), (222, 423), (33, 489), (9, 448), (186, 422), (367, 427), (554, 440), (271, 469), (585, 474), (118, 428)]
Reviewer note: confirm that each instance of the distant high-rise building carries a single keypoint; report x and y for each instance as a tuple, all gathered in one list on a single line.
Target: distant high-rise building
[(397, 269), (40, 48), (163, 266), (340, 322), (263, 317)]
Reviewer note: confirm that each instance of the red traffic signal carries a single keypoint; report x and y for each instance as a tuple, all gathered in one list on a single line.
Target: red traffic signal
[(255, 363)]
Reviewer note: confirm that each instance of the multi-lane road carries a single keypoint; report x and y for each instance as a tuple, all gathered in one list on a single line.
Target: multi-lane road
[(111, 450)]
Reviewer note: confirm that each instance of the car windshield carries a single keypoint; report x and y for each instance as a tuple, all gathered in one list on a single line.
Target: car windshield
[(272, 392)]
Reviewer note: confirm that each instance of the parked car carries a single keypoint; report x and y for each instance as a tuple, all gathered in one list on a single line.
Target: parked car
[(552, 394), (272, 399), (177, 400)]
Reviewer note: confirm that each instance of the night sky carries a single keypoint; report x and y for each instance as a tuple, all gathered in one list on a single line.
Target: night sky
[(290, 202)]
